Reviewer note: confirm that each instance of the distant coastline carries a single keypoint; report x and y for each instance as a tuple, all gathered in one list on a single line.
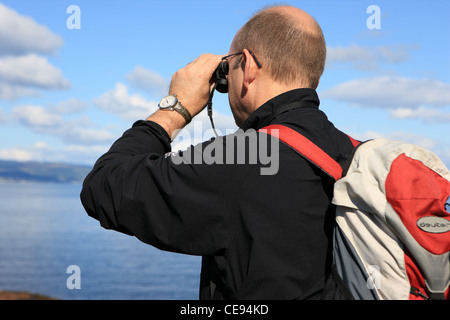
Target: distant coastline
[(22, 295), (15, 171)]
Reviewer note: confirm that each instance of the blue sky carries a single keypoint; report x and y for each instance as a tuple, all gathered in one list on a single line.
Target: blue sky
[(67, 94)]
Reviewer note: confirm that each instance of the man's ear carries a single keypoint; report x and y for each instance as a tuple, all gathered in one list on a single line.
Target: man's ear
[(250, 69)]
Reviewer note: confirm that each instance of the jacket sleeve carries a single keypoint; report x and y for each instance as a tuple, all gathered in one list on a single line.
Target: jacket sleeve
[(137, 188)]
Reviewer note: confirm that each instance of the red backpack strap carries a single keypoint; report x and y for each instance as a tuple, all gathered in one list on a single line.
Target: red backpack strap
[(306, 148), (354, 141)]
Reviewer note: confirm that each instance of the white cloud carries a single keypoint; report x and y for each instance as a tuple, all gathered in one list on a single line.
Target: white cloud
[(85, 136), (11, 92), (3, 117), (23, 71), (21, 35), (36, 116), (41, 152), (25, 75), (407, 137), (360, 56), (79, 131), (31, 70), (367, 58), (441, 149), (69, 106), (18, 154), (425, 114), (391, 92), (129, 107), (79, 154), (34, 152), (149, 81), (132, 107), (87, 144)]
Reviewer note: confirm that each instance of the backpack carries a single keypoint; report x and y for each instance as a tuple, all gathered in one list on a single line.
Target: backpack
[(391, 238)]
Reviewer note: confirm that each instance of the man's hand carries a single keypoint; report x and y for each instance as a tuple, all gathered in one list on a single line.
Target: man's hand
[(192, 85)]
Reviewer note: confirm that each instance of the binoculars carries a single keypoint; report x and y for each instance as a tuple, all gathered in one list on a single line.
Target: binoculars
[(219, 77)]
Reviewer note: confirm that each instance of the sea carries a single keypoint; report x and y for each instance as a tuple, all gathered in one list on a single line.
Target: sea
[(50, 246)]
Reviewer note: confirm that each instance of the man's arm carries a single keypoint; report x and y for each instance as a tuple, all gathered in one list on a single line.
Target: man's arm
[(135, 189)]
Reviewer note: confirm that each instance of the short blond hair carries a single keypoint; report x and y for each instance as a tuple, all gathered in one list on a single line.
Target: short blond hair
[(291, 53)]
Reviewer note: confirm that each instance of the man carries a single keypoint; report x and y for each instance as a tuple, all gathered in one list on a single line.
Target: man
[(262, 236)]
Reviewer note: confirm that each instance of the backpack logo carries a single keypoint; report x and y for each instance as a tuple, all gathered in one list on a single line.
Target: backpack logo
[(433, 224)]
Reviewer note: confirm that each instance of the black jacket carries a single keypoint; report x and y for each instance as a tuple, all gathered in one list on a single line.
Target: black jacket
[(261, 236)]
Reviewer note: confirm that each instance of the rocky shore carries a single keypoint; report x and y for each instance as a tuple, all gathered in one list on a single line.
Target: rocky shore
[(17, 295)]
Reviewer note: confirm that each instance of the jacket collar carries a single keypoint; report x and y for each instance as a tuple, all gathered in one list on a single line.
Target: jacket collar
[(264, 115)]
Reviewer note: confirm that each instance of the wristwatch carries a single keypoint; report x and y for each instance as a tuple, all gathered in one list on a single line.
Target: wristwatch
[(172, 103)]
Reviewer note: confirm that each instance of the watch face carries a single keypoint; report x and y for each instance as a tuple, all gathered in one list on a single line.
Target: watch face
[(168, 102)]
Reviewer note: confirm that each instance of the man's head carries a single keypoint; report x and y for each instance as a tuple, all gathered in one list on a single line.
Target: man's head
[(290, 46)]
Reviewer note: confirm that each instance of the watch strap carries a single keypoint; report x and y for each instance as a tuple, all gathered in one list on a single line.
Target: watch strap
[(183, 111)]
